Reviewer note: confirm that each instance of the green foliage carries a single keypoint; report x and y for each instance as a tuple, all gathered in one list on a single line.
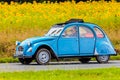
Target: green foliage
[(21, 21)]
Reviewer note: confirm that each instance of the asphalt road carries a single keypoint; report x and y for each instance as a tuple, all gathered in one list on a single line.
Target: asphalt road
[(10, 67)]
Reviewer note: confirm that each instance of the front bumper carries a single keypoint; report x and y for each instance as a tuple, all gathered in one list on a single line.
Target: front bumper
[(20, 55)]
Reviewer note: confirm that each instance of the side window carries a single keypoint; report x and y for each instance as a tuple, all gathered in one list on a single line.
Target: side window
[(98, 33), (70, 32), (85, 32)]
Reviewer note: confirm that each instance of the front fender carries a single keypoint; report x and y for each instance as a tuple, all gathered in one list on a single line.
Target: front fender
[(105, 49), (36, 46)]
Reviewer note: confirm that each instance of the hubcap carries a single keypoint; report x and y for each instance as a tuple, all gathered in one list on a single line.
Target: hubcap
[(103, 58), (43, 56)]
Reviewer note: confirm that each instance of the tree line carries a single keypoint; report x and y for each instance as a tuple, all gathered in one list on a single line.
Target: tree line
[(40, 1)]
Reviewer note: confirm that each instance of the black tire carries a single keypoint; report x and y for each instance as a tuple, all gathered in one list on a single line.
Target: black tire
[(84, 60), (25, 60), (43, 56), (103, 59)]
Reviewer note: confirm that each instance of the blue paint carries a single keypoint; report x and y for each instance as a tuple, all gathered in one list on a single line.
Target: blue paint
[(62, 46)]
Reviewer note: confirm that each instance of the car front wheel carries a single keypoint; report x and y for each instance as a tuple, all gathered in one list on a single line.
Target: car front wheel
[(25, 60), (103, 58), (43, 56)]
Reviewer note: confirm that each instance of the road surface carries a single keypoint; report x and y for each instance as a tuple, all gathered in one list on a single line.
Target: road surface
[(10, 67)]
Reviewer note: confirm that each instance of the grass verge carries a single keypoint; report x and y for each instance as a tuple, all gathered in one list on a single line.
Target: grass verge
[(92, 74), (8, 60)]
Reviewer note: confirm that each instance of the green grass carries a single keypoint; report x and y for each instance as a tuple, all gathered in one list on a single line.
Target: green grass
[(8, 60), (115, 57), (92, 74)]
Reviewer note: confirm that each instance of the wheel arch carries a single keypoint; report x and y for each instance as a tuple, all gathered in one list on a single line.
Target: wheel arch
[(53, 55)]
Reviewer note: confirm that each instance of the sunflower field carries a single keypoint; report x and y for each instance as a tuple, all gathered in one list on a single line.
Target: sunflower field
[(21, 21)]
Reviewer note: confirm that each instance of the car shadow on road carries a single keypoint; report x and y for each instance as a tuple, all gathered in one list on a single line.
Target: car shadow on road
[(65, 63), (68, 63)]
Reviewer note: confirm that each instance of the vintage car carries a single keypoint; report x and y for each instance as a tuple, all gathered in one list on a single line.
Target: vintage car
[(71, 39)]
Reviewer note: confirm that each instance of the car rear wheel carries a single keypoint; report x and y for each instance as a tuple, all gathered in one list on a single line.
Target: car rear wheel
[(25, 60), (84, 60), (43, 56), (103, 58)]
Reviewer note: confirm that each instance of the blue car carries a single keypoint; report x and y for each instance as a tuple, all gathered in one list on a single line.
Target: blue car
[(71, 39)]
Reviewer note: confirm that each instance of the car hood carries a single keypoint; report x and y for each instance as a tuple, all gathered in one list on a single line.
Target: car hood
[(37, 39)]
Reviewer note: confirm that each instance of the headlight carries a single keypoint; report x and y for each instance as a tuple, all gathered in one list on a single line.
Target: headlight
[(17, 43), (20, 48), (28, 43)]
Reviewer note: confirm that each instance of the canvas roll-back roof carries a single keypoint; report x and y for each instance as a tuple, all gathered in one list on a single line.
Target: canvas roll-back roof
[(71, 21), (74, 20)]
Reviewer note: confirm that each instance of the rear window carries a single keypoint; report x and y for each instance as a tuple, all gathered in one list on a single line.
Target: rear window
[(85, 32), (99, 33)]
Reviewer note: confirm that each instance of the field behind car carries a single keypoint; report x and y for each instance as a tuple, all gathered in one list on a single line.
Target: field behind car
[(21, 21), (93, 74)]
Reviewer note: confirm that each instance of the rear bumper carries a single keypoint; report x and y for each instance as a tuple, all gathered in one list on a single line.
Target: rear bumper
[(114, 54)]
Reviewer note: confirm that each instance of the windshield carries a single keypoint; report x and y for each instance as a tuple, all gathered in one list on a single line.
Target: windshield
[(55, 31)]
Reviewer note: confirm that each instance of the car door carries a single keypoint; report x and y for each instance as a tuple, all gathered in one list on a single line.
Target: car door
[(68, 41), (86, 41)]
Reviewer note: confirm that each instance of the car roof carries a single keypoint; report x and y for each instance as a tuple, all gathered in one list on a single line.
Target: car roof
[(76, 22)]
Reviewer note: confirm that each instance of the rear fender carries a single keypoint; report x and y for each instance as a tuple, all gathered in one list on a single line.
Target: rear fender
[(104, 49)]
